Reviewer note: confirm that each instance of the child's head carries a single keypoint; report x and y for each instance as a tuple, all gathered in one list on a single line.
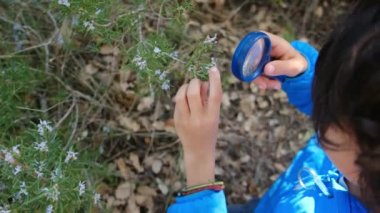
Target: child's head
[(346, 96)]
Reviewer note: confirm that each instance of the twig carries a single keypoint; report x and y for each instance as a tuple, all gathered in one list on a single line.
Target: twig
[(236, 11), (168, 145), (306, 16), (69, 141), (160, 16), (66, 114)]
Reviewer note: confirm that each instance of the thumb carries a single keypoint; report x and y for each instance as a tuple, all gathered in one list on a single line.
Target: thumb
[(291, 67)]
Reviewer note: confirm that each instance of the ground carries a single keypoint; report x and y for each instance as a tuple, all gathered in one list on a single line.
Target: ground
[(260, 131)]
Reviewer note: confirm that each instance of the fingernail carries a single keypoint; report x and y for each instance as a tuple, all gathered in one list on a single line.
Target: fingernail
[(270, 69), (277, 86)]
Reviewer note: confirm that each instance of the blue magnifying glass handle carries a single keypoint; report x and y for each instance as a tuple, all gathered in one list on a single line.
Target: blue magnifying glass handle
[(251, 56)]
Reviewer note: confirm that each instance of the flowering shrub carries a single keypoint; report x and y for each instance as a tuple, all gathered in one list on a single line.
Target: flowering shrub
[(44, 175), (43, 167), (152, 54)]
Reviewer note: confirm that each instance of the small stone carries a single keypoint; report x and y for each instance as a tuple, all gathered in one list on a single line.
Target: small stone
[(245, 159), (156, 166), (162, 186), (219, 170)]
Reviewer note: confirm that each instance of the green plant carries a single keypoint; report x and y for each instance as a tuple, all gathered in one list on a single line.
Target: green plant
[(40, 172), (40, 40)]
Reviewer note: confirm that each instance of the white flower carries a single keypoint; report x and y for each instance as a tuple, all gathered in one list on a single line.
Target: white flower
[(15, 149), (191, 68), (162, 76), (174, 54), (22, 191), (82, 187), (213, 61), (64, 2), (42, 126), (157, 50), (98, 11), (210, 40), (53, 193), (38, 171), (140, 62), (96, 198), (40, 165), (4, 209), (71, 155), (166, 85), (60, 40), (57, 173), (42, 147), (157, 72), (39, 174), (89, 25), (9, 157), (49, 209), (17, 170)]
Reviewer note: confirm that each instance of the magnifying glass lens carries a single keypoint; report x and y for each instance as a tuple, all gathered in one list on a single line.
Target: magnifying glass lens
[(253, 58)]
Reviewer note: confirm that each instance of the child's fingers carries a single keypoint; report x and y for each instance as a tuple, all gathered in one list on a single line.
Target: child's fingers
[(281, 49), (273, 83), (181, 104), (291, 67), (215, 97), (266, 83), (194, 96), (260, 82), (204, 92)]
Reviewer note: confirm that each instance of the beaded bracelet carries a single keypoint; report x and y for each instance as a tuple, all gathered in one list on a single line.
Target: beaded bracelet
[(216, 186)]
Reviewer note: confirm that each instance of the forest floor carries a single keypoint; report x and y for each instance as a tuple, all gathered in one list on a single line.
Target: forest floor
[(260, 132)]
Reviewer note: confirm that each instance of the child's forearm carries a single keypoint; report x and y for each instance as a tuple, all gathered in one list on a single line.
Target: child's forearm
[(200, 167)]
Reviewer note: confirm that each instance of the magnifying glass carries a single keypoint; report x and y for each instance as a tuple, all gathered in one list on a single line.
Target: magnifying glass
[(250, 57)]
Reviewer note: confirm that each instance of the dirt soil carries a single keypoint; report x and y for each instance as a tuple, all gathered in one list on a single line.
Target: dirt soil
[(260, 131)]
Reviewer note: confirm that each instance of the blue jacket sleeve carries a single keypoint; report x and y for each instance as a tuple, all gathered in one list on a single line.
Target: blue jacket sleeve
[(299, 88), (204, 201)]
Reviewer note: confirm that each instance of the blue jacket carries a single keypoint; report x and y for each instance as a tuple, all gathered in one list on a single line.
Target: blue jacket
[(310, 184)]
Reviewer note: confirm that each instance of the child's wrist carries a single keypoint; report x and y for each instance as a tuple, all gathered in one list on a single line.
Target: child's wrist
[(200, 167)]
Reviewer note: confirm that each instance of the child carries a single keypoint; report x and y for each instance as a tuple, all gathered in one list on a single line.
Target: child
[(339, 169)]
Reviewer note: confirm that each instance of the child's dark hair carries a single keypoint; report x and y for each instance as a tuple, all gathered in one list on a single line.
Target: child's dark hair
[(346, 91)]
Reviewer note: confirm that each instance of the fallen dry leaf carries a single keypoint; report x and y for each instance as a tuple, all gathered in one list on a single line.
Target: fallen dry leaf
[(120, 162), (128, 123), (123, 191), (136, 162), (145, 104), (146, 190), (132, 206)]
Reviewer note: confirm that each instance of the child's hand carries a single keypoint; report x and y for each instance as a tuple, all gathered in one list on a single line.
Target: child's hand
[(288, 61), (196, 119)]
